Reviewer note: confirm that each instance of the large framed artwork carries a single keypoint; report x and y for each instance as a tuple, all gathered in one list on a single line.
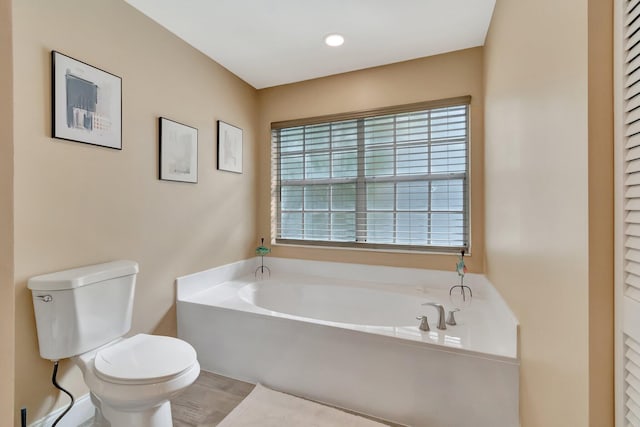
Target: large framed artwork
[(86, 103), (229, 147), (178, 152)]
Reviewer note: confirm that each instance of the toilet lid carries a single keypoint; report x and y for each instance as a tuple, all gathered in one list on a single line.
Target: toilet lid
[(143, 358)]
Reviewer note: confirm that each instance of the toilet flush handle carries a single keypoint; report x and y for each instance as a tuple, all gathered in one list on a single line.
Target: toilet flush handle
[(45, 298)]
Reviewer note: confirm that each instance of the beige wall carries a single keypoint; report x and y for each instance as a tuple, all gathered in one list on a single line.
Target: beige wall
[(601, 295), (77, 204), (6, 214), (546, 204), (443, 76), (548, 201)]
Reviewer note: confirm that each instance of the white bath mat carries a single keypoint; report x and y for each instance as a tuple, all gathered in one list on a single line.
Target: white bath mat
[(269, 408)]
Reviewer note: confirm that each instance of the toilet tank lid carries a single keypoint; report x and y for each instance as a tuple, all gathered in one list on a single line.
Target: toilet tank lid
[(77, 277)]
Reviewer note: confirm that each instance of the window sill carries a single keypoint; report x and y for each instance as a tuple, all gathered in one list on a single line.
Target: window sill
[(328, 246)]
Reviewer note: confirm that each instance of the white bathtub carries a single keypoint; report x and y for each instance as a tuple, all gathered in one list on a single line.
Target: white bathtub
[(313, 331)]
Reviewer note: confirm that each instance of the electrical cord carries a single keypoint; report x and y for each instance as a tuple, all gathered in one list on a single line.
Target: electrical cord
[(55, 383)]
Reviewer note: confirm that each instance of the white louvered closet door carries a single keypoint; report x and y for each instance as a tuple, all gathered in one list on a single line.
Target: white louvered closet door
[(627, 288)]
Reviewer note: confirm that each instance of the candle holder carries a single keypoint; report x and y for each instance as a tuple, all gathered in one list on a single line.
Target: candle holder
[(261, 251), (461, 295)]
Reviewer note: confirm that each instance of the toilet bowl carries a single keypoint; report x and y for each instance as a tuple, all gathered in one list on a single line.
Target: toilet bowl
[(83, 314), (132, 379)]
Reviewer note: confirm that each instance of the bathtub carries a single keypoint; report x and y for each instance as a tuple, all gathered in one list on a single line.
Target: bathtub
[(313, 330)]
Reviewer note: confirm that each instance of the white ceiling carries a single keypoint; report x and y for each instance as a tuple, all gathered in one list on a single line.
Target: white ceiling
[(273, 42)]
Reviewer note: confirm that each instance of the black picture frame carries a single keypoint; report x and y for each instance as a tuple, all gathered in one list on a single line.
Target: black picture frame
[(178, 151), (230, 150), (86, 103)]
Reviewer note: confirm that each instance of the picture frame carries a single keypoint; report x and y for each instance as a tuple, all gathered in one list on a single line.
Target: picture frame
[(229, 147), (86, 103), (178, 152)]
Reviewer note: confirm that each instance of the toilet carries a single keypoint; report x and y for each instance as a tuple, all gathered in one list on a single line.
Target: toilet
[(84, 314)]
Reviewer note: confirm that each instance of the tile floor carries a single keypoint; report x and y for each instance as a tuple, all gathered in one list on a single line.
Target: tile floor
[(207, 401)]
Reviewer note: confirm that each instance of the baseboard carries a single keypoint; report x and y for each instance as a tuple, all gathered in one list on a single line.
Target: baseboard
[(81, 415)]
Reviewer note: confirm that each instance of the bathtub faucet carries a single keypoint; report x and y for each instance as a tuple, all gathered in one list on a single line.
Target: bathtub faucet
[(441, 322)]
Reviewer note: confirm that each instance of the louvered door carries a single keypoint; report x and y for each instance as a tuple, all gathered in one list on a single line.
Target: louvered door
[(632, 382), (627, 105)]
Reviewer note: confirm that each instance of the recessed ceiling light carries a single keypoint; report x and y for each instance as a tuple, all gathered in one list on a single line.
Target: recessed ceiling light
[(334, 40)]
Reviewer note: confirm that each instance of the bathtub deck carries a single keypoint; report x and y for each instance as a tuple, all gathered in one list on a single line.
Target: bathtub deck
[(211, 398)]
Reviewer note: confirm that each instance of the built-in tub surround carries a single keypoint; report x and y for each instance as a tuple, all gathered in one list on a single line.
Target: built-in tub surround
[(347, 335)]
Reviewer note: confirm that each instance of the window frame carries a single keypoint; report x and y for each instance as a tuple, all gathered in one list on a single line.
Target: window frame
[(360, 180)]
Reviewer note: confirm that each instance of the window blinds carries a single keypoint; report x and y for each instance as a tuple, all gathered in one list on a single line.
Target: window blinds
[(632, 150), (394, 179), (630, 289)]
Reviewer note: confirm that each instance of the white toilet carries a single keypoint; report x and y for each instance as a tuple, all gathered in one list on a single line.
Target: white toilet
[(84, 313)]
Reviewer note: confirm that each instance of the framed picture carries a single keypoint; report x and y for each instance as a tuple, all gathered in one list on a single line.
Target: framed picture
[(86, 103), (229, 147), (178, 152)]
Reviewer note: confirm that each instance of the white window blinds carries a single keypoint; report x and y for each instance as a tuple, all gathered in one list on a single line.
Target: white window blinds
[(382, 179), (628, 280), (632, 150)]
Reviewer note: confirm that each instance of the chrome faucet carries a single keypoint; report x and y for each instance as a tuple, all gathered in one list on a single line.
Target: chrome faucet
[(441, 322)]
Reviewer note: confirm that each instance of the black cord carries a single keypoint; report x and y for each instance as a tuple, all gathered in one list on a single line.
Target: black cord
[(55, 383)]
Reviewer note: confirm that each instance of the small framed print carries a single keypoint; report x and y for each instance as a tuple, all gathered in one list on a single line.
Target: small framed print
[(178, 152), (229, 147), (86, 103)]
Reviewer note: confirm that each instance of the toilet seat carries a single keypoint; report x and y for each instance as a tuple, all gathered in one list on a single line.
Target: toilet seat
[(144, 359)]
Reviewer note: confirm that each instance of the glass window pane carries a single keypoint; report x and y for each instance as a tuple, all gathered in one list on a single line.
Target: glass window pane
[(345, 164), (412, 228), (412, 127), (380, 196), (317, 137), (291, 139), (402, 128), (380, 227), (317, 165), (343, 197), (292, 198), (447, 195), (291, 167), (291, 225), (344, 134), (448, 158), (448, 128), (378, 130), (343, 226), (413, 196), (449, 123), (413, 160), (316, 226), (316, 197), (447, 229), (379, 162)]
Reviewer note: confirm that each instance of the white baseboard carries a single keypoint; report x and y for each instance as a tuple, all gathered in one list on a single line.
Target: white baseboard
[(81, 415)]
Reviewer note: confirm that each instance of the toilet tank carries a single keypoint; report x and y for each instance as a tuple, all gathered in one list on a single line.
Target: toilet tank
[(83, 308)]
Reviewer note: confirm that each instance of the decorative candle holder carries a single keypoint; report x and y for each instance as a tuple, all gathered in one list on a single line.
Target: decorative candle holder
[(261, 251), (461, 295)]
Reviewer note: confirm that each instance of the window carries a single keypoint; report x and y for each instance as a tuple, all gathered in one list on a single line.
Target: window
[(394, 178)]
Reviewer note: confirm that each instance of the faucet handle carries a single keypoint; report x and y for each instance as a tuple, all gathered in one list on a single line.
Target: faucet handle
[(424, 323), (451, 320), (441, 323)]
